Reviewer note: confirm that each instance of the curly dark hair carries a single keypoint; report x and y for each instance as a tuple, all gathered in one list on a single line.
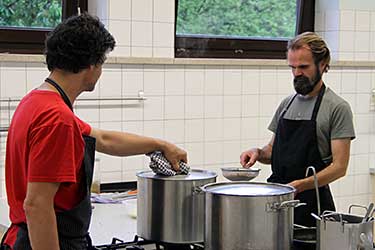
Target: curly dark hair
[(77, 43)]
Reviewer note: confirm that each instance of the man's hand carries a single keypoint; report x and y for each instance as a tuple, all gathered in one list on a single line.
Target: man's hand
[(249, 157), (174, 154), (299, 185)]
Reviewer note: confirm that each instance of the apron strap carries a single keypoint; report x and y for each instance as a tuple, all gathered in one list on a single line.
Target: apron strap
[(61, 91), (318, 102), (287, 107)]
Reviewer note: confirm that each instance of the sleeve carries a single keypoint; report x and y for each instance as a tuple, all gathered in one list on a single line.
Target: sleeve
[(56, 151), (275, 119), (342, 122), (85, 127)]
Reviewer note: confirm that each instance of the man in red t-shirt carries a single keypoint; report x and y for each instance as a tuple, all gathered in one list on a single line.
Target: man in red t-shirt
[(50, 151)]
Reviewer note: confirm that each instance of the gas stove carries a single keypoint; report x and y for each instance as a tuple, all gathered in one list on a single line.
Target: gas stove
[(141, 244)]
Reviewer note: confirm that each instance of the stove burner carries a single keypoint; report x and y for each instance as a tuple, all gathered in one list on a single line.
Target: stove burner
[(139, 244)]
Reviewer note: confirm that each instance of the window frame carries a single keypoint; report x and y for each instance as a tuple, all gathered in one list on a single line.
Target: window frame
[(188, 46), (18, 40)]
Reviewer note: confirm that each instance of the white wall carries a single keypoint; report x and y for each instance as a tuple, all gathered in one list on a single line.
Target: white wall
[(214, 112)]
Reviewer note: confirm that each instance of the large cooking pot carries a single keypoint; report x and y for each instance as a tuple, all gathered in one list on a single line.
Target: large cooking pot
[(249, 215), (169, 208)]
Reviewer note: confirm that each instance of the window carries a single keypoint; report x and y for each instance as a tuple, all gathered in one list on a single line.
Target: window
[(24, 24), (240, 28)]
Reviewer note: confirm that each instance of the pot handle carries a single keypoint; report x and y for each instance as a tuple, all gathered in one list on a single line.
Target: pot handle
[(197, 190), (274, 207)]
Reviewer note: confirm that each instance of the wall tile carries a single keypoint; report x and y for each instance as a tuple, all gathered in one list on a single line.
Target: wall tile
[(120, 9), (154, 83), (213, 153), (268, 82), (268, 105), (362, 41), (121, 30), (164, 11), (163, 52), (154, 129), (133, 127), (132, 82), (348, 81), (141, 51), (232, 106), (13, 83), (213, 129), (231, 152), (141, 34), (111, 83), (363, 103), (250, 105), (163, 35), (132, 163), (213, 81), (193, 107), (284, 81), (194, 130), (250, 81), (363, 81), (213, 106), (231, 128), (174, 131), (347, 20), (249, 128), (362, 123), (362, 20), (154, 108), (196, 153), (372, 24), (142, 10), (332, 19), (174, 107), (194, 82), (332, 79), (232, 82), (346, 41), (174, 82)]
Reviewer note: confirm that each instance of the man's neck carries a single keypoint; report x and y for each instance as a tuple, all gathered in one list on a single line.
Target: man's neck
[(69, 82), (316, 89)]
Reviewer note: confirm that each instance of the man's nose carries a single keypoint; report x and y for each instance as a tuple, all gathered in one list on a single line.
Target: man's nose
[(297, 72)]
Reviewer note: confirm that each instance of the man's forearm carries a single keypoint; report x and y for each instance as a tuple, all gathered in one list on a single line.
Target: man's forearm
[(125, 144), (265, 154), (42, 227)]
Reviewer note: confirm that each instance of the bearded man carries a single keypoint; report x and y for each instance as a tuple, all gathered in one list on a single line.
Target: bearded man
[(313, 127)]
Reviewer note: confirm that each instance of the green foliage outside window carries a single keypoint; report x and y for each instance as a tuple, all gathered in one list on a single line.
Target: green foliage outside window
[(30, 13), (243, 18)]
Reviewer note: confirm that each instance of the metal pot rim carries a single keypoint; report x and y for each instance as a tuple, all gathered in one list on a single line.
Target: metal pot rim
[(149, 174), (206, 188)]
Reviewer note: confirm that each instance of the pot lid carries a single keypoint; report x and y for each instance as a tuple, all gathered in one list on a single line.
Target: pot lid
[(248, 188), (194, 174)]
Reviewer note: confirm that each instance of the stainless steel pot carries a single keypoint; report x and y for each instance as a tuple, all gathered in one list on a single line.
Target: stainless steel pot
[(345, 231), (169, 208), (249, 215)]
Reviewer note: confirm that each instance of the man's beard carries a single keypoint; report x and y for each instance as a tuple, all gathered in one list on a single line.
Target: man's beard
[(303, 85)]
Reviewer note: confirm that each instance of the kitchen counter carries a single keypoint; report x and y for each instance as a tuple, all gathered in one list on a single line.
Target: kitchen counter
[(108, 221)]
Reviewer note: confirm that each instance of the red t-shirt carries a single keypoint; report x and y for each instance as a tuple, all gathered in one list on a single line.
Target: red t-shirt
[(44, 144)]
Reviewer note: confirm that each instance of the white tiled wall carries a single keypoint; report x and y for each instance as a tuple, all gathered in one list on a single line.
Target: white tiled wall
[(214, 112), (349, 28)]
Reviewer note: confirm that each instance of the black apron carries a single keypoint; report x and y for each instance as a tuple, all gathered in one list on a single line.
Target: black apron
[(294, 149), (73, 224)]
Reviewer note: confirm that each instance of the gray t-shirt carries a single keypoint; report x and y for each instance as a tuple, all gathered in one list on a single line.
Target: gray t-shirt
[(334, 119)]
